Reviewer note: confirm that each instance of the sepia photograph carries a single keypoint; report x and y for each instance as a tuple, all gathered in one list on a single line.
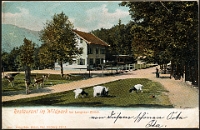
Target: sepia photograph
[(100, 64)]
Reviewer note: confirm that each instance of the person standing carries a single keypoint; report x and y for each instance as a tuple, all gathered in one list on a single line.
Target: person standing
[(157, 72)]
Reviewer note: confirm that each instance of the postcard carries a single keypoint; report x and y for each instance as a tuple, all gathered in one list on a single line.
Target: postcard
[(100, 64)]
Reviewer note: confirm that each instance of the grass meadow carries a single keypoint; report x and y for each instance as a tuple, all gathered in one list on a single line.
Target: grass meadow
[(19, 84), (153, 95)]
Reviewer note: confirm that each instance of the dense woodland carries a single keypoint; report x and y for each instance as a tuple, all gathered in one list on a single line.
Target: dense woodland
[(159, 32)]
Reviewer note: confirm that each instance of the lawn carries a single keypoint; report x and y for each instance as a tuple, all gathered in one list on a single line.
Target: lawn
[(19, 84), (119, 96)]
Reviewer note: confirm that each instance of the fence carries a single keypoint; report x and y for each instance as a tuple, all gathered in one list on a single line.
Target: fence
[(129, 67)]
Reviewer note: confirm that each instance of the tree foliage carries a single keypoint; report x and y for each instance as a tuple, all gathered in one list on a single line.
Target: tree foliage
[(27, 53), (26, 58), (59, 41), (5, 61), (119, 39), (165, 31), (46, 59)]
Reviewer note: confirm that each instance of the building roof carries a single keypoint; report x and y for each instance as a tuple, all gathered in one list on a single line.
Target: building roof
[(91, 38)]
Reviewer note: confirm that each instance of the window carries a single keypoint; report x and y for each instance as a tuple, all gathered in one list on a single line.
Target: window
[(89, 50), (91, 61), (102, 51), (102, 61), (97, 61), (81, 40), (81, 61), (97, 50), (72, 62)]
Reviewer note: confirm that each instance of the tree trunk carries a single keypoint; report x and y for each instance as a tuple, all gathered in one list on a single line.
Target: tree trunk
[(27, 78), (3, 71), (61, 68), (165, 68), (186, 71), (172, 69), (28, 73), (196, 73)]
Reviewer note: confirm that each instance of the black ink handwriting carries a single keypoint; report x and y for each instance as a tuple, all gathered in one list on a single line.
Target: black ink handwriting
[(175, 116), (115, 116), (144, 115), (153, 123)]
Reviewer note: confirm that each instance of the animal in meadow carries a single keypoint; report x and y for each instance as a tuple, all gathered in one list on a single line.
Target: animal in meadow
[(81, 92), (100, 91), (67, 76), (11, 77), (137, 87), (38, 81), (46, 76)]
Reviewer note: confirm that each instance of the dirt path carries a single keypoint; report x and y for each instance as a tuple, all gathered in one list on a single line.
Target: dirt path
[(180, 94)]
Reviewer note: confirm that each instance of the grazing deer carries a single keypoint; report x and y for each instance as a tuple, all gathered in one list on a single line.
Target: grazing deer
[(39, 81), (46, 76), (67, 76), (10, 78)]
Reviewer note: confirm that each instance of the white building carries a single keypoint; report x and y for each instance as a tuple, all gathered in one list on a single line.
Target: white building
[(93, 52)]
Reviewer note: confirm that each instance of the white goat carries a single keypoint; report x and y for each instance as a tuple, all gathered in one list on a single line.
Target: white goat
[(100, 90), (136, 88), (79, 91)]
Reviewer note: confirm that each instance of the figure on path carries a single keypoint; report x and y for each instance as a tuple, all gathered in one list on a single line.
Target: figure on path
[(157, 72)]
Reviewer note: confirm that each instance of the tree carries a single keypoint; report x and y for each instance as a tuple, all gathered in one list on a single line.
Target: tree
[(36, 58), (119, 39), (60, 40), (9, 59), (15, 52), (4, 61), (167, 31), (27, 59), (46, 58)]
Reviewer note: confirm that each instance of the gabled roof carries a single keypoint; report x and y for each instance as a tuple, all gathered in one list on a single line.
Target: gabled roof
[(91, 38)]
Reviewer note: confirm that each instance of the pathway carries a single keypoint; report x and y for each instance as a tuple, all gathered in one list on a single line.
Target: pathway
[(180, 94)]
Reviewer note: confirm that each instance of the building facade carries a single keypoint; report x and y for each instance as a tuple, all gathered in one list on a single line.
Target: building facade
[(93, 55)]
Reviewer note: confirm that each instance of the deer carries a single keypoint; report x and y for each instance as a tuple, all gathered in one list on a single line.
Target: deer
[(38, 81), (67, 76), (10, 78), (46, 76)]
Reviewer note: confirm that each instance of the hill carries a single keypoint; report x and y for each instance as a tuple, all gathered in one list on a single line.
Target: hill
[(13, 36)]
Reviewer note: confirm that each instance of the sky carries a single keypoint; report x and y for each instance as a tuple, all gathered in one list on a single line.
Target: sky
[(85, 16)]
